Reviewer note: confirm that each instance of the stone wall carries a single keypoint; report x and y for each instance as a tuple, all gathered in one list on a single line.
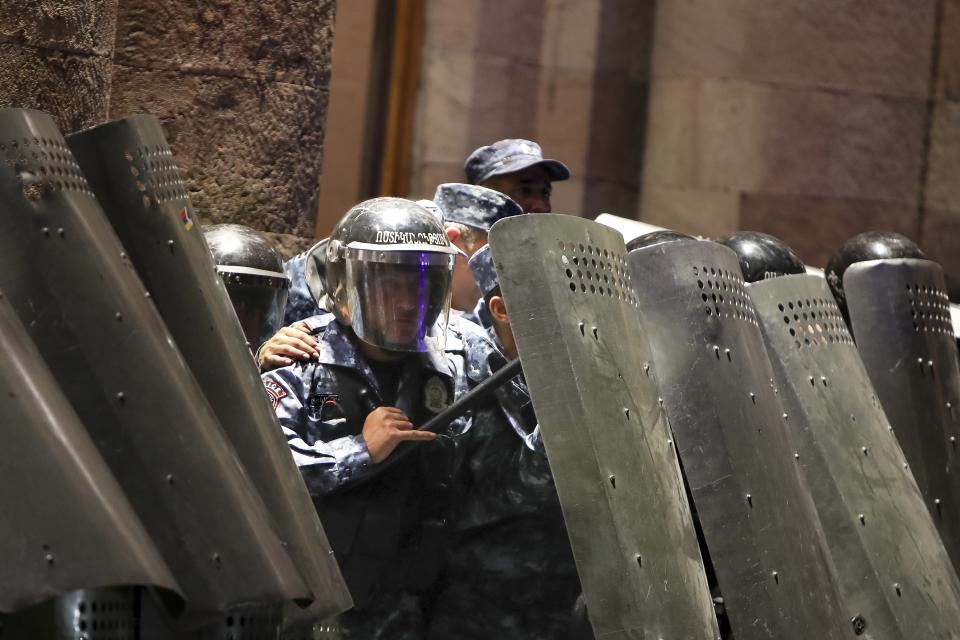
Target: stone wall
[(808, 120), (571, 74), (241, 88), (56, 57)]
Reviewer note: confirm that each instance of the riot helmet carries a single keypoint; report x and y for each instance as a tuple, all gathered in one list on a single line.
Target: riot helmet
[(871, 245), (252, 271), (762, 256), (388, 275), (659, 236)]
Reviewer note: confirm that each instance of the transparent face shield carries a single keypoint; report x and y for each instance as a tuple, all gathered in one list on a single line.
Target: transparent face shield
[(258, 300), (399, 300)]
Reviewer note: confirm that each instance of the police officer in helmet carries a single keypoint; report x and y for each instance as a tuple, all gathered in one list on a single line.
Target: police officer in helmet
[(386, 363), (252, 271)]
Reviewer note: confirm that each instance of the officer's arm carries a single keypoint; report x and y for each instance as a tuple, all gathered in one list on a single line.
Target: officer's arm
[(326, 464)]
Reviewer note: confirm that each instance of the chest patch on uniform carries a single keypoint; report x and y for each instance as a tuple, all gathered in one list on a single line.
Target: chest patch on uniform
[(436, 397), (275, 392)]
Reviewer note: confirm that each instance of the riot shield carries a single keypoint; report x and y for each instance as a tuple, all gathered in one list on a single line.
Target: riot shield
[(132, 171), (86, 534), (88, 614), (74, 289), (757, 518), (900, 315), (573, 311), (895, 576)]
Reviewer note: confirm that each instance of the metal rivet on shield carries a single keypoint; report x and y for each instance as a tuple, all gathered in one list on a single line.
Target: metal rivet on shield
[(823, 380), (118, 316), (863, 519), (583, 330), (896, 587), (859, 624), (626, 413), (48, 558), (613, 481), (60, 232), (716, 351), (121, 398), (753, 398), (46, 232), (215, 557), (813, 382), (750, 500), (595, 333), (776, 577), (865, 451), (660, 402), (171, 244), (646, 368), (796, 456), (953, 441), (786, 416), (170, 479), (639, 561), (950, 406), (936, 503)]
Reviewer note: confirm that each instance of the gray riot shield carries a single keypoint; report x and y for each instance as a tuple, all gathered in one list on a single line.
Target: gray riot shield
[(85, 534), (70, 282), (900, 315), (573, 312), (895, 576), (132, 171), (758, 521), (88, 614)]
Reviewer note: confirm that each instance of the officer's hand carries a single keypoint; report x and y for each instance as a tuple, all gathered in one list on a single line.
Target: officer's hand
[(289, 344), (385, 428)]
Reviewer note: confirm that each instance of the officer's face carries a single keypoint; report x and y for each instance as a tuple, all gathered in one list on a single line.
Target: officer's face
[(530, 188), (403, 296)]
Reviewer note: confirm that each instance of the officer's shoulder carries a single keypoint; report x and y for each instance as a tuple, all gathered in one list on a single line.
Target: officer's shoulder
[(318, 324), (468, 334)]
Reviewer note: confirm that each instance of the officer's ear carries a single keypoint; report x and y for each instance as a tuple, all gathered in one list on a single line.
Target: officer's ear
[(498, 309)]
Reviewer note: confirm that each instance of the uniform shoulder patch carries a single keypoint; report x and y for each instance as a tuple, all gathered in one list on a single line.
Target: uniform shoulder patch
[(275, 392)]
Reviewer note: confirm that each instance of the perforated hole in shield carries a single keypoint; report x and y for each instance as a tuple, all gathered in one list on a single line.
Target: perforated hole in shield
[(597, 272), (106, 618), (44, 163), (814, 322), (723, 294), (158, 173), (929, 309)]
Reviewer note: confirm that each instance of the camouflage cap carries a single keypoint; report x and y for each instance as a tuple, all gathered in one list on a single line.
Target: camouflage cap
[(509, 156), (474, 206), (484, 272)]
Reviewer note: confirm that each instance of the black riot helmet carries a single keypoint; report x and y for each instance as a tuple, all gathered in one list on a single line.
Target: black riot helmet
[(252, 270), (659, 236), (872, 245), (388, 275), (762, 256)]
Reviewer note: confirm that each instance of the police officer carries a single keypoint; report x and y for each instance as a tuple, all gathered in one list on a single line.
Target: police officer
[(510, 573), (871, 245), (517, 169), (386, 363), (468, 213), (251, 269)]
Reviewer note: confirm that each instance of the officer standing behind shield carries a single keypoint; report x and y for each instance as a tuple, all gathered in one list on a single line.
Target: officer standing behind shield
[(386, 363), (510, 574), (468, 213)]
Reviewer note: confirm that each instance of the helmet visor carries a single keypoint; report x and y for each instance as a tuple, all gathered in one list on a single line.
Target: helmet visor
[(399, 301), (259, 301)]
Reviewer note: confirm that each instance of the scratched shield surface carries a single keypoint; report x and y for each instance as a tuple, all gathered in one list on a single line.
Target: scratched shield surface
[(894, 573), (758, 520), (573, 310), (900, 317)]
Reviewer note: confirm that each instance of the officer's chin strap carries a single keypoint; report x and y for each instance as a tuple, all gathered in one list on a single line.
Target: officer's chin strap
[(459, 407)]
